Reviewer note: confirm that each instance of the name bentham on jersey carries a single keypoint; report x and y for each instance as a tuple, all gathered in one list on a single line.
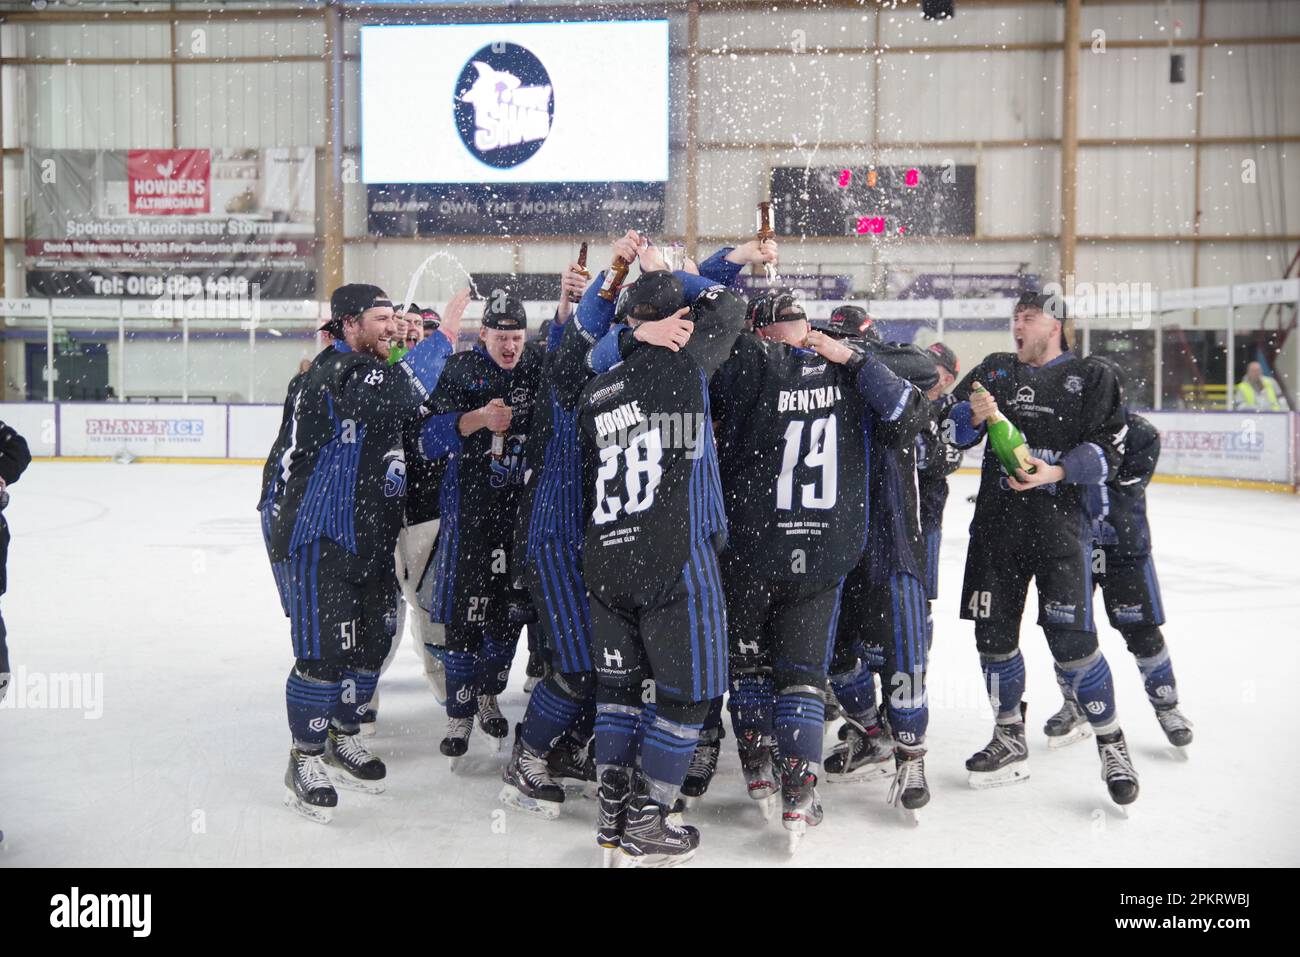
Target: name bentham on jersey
[(808, 400), (626, 423)]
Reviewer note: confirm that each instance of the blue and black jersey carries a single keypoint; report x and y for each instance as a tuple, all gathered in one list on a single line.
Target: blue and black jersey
[(1119, 508)]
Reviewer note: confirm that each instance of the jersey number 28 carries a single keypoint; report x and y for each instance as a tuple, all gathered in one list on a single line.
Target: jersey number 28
[(822, 445), (643, 472)]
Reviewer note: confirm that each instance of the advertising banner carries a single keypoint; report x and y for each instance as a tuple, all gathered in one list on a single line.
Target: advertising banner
[(184, 222), (1226, 445), (106, 428)]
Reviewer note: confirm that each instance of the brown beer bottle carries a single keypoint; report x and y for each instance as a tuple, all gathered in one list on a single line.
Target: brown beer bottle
[(765, 228), (582, 263), (614, 277)]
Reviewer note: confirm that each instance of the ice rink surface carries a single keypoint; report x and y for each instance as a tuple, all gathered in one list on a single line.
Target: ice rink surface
[(151, 582)]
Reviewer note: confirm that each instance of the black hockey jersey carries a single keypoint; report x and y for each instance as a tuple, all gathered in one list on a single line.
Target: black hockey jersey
[(1071, 414), (936, 459), (1119, 508), (792, 452), (650, 467), (344, 474), (274, 467)]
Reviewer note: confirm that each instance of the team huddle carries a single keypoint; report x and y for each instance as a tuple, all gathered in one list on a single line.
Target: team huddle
[(686, 500)]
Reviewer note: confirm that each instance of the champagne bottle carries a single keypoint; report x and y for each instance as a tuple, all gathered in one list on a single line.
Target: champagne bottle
[(1007, 442), (582, 264), (765, 232), (614, 277)]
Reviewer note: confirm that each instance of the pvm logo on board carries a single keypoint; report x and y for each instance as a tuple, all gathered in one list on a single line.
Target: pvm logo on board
[(503, 105)]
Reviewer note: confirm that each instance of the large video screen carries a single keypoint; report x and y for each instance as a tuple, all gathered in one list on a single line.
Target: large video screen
[(515, 103)]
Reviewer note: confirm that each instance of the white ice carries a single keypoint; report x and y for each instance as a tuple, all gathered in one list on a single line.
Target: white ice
[(153, 580)]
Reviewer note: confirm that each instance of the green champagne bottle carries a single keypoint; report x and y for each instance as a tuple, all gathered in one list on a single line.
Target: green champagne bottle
[(1007, 442)]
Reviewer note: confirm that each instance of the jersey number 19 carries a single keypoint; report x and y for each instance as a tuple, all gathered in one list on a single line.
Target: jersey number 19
[(821, 456)]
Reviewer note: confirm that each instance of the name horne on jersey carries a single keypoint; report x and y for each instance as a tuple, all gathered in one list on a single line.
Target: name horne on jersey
[(624, 424)]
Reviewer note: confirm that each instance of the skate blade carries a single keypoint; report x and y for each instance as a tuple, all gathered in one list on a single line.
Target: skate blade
[(498, 744), (690, 803), (454, 762), (341, 779), (870, 772), (770, 807), (654, 860), (320, 815), (512, 797), (1082, 733), (1012, 774), (609, 857)]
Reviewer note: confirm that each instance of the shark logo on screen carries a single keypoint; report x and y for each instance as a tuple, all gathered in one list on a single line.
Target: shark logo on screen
[(504, 105)]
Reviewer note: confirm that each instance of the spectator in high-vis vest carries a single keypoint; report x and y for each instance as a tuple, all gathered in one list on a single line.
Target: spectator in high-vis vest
[(1258, 392)]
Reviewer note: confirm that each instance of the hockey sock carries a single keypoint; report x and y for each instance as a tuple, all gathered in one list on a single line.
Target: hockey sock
[(753, 699), (1158, 679), (666, 756), (354, 699), (617, 731), (1091, 681), (311, 703), (584, 725), (494, 658), (461, 667), (1004, 677), (550, 713), (647, 718), (909, 711), (856, 692), (800, 719)]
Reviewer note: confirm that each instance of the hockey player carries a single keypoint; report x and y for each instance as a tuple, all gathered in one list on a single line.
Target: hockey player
[(483, 407), (884, 612), (656, 521), (1129, 587), (333, 529), (793, 460), (551, 743), (1033, 525), (419, 531), (14, 459), (936, 459)]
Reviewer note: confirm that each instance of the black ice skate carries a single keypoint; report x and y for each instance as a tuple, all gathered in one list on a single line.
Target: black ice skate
[(1176, 727), (800, 806), (1067, 726), (859, 756), (1117, 768), (910, 792), (529, 786), (490, 719), (456, 741), (704, 762), (651, 839), (1004, 760), (307, 787), (756, 764), (613, 794), (351, 765), (572, 763)]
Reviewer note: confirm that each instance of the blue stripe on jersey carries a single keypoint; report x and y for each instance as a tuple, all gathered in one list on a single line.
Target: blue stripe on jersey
[(328, 507), (565, 597), (557, 503), (443, 604)]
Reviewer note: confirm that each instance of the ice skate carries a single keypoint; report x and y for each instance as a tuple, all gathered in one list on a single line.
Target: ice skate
[(1004, 760), (1067, 726), (1117, 768), (800, 806), (704, 763), (1176, 727), (307, 787), (572, 764), (651, 839), (351, 766), (859, 757), (756, 765), (491, 721), (613, 794), (910, 792), (528, 783), (456, 741)]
